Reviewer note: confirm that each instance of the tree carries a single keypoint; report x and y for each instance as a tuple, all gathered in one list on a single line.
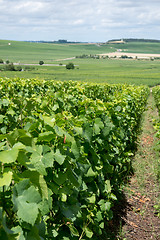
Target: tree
[(70, 66), (9, 67), (1, 61), (41, 62)]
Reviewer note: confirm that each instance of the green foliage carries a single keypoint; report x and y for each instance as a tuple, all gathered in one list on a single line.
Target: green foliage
[(65, 152), (1, 61), (70, 66), (9, 67), (156, 94), (19, 68), (41, 62)]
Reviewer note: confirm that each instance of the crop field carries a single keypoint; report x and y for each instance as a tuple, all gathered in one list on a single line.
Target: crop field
[(86, 69)]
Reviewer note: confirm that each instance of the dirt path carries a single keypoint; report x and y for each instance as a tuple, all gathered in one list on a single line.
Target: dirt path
[(139, 220), (133, 55)]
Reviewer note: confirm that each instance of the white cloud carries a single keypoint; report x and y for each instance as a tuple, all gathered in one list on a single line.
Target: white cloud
[(92, 20)]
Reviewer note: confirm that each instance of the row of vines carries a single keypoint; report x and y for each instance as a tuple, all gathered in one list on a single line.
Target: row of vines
[(156, 94), (65, 151)]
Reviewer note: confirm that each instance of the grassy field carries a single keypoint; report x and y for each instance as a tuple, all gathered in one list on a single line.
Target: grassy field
[(138, 47), (89, 70), (31, 52)]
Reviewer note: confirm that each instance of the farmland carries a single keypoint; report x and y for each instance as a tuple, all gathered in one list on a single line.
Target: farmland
[(87, 70)]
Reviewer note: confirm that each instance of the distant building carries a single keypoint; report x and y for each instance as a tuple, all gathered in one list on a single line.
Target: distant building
[(117, 41)]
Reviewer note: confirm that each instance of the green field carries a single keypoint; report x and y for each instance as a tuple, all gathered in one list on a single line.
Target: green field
[(88, 70)]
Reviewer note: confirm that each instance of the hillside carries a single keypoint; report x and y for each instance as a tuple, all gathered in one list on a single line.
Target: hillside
[(33, 52)]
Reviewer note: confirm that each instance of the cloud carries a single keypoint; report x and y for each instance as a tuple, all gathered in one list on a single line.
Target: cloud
[(92, 20)]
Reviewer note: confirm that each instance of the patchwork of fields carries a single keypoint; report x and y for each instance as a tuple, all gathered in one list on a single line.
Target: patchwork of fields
[(87, 69)]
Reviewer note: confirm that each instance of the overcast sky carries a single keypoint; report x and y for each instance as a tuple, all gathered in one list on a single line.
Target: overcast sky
[(79, 20)]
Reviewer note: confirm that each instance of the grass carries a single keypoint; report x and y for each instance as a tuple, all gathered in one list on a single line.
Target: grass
[(89, 70), (31, 52), (97, 70), (139, 47), (146, 162)]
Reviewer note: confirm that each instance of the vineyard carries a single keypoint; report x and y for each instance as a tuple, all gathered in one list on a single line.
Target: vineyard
[(156, 94), (65, 152)]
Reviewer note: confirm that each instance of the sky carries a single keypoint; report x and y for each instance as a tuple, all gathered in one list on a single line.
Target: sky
[(79, 20)]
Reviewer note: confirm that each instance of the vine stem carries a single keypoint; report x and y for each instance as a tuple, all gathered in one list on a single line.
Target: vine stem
[(83, 230)]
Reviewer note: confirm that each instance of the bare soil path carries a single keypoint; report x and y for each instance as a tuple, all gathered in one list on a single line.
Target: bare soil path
[(133, 55), (139, 222)]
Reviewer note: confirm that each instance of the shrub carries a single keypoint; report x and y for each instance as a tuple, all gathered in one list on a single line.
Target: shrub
[(29, 68), (9, 67), (18, 68), (70, 66), (41, 62), (1, 61)]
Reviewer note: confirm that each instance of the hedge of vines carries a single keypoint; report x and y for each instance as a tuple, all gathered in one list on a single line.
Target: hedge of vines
[(65, 151)]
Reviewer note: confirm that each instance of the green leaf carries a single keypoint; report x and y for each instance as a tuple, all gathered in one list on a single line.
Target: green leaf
[(99, 216), (1, 118), (2, 136), (60, 178), (63, 197), (6, 179), (108, 186), (27, 199), (73, 230), (31, 211), (90, 173), (55, 233), (98, 125), (92, 199), (87, 132), (49, 120), (54, 187), (31, 195), (88, 232), (37, 163), (75, 149), (9, 156), (21, 186), (33, 234), (43, 186), (32, 175), (55, 107), (102, 225), (104, 205), (19, 146), (48, 159), (72, 177), (113, 197), (59, 157), (59, 131), (44, 207), (78, 130), (11, 112), (118, 108), (18, 231), (46, 136), (70, 211)]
